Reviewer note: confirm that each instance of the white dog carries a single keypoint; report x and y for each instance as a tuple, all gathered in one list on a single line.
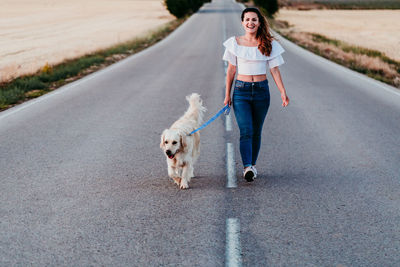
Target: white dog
[(180, 148)]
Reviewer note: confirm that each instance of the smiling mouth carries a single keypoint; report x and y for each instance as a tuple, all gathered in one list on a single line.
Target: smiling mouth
[(171, 156)]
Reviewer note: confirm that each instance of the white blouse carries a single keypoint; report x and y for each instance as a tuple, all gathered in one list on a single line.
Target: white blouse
[(249, 60)]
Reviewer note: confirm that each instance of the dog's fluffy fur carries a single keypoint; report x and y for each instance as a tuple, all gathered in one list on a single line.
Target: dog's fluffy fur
[(180, 149)]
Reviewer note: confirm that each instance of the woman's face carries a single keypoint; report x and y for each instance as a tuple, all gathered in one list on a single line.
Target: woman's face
[(250, 22)]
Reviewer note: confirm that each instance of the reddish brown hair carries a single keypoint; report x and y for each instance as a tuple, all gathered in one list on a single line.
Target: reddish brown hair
[(263, 35)]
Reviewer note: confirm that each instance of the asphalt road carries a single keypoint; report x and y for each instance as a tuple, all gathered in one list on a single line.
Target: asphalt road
[(84, 182)]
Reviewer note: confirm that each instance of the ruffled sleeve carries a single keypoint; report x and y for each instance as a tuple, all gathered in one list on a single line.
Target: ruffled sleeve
[(275, 62), (231, 58), (276, 59)]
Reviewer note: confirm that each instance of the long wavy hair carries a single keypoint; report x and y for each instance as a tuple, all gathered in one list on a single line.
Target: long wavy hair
[(263, 35)]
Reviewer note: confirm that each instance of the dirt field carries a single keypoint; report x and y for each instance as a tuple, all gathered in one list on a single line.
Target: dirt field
[(35, 32), (374, 29)]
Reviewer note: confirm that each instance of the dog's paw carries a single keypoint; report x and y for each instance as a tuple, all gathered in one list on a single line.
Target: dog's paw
[(177, 180), (184, 185)]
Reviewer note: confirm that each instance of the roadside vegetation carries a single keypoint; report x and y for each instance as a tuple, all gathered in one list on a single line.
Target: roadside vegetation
[(340, 4), (369, 62), (51, 77)]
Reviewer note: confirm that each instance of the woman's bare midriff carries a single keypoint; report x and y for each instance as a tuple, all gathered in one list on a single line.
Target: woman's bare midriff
[(251, 78)]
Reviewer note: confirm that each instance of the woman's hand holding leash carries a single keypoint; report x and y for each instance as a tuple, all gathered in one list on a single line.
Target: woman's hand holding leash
[(227, 101)]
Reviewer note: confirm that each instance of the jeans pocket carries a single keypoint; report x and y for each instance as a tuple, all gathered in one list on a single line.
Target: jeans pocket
[(239, 84)]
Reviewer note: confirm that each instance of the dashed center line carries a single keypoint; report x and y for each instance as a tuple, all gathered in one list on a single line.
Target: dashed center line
[(232, 246), (230, 167), (232, 249), (228, 123)]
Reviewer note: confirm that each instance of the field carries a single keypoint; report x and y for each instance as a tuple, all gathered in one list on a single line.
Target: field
[(366, 41), (342, 4), (34, 33), (373, 29)]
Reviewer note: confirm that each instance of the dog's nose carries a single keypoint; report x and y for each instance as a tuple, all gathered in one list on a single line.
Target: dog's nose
[(168, 152)]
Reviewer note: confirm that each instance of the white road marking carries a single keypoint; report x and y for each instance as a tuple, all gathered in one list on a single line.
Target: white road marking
[(232, 249), (228, 122), (230, 166)]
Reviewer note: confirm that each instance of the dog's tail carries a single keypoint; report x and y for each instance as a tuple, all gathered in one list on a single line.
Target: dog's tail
[(196, 109)]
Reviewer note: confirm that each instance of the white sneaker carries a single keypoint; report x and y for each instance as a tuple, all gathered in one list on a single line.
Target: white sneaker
[(248, 174), (254, 171)]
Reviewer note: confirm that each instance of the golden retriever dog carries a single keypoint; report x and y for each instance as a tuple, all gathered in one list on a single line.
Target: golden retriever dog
[(180, 148)]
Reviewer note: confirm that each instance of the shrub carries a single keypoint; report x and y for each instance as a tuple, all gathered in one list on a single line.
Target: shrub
[(10, 96), (29, 83)]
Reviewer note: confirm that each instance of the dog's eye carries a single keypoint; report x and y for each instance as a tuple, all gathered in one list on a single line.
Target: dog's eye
[(166, 142), (174, 142)]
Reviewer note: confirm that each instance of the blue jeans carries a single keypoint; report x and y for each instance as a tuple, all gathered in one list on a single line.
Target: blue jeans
[(250, 103)]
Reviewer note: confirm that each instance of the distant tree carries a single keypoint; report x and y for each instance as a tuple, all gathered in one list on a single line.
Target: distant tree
[(269, 6), (178, 8), (181, 8), (195, 5)]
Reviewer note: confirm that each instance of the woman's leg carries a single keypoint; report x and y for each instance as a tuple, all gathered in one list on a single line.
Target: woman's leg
[(243, 114), (260, 107)]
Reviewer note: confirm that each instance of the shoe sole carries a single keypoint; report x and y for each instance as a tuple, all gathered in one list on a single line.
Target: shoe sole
[(249, 176)]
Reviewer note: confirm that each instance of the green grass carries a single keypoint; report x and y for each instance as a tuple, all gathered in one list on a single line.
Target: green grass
[(51, 77)]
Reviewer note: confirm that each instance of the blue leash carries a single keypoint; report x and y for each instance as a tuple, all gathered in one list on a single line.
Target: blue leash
[(225, 110)]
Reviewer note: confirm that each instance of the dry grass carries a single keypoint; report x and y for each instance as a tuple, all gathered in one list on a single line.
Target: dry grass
[(373, 63), (373, 66)]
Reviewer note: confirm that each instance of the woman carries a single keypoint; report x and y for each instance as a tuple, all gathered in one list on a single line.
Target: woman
[(250, 55)]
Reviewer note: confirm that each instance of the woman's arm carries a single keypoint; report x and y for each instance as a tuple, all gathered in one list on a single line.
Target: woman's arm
[(230, 75), (276, 74)]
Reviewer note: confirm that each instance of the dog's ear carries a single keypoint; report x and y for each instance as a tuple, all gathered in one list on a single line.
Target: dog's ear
[(162, 139), (183, 142)]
